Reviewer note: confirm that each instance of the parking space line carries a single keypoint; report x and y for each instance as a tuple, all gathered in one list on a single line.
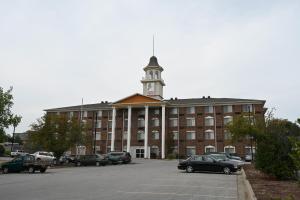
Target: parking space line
[(190, 186), (176, 194)]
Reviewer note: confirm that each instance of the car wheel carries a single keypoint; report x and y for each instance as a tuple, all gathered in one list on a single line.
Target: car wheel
[(31, 170), (189, 169), (5, 170), (42, 170), (97, 164), (226, 170), (78, 164)]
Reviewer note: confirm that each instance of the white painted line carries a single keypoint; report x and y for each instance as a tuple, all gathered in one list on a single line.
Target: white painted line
[(176, 194), (190, 186)]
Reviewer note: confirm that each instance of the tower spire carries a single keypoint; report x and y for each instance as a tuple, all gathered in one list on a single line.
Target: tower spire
[(153, 45)]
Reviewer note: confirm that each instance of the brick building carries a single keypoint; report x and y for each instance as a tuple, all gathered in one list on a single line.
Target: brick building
[(148, 126)]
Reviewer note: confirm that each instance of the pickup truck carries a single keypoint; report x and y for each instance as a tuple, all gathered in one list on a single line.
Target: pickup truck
[(24, 163)]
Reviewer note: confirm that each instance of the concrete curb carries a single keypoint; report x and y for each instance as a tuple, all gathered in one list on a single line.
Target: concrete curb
[(245, 190)]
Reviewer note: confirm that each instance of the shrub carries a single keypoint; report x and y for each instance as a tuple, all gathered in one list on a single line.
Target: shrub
[(2, 150)]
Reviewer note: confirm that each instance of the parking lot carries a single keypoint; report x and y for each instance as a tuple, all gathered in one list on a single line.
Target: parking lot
[(144, 179)]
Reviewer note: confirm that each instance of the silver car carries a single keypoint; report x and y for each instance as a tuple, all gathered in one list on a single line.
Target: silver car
[(223, 158)]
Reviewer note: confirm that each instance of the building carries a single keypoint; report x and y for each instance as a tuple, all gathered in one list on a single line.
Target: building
[(149, 126)]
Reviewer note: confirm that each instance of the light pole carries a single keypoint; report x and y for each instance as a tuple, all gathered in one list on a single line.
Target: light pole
[(251, 136)]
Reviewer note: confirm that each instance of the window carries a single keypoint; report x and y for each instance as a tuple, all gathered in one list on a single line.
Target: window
[(190, 150), (175, 135), (98, 136), (57, 113), (190, 110), (249, 118), (125, 123), (109, 123), (248, 150), (190, 121), (155, 122), (209, 121), (98, 124), (227, 135), (125, 135), (141, 122), (227, 119), (109, 136), (141, 112), (209, 109), (209, 149), (97, 148), (140, 135), (85, 113), (156, 111), (151, 75), (227, 109), (155, 135), (190, 135), (156, 75), (139, 153), (174, 111), (229, 149), (99, 113), (71, 114), (247, 108), (174, 150), (173, 122), (209, 135)]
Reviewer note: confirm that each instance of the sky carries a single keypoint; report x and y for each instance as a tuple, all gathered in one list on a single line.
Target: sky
[(56, 52)]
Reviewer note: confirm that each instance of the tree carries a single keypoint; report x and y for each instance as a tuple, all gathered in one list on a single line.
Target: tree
[(7, 118), (57, 134)]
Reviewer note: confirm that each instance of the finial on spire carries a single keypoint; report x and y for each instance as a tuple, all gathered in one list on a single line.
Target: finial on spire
[(153, 45)]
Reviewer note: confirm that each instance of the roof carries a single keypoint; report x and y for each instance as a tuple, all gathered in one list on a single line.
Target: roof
[(212, 101), (153, 61), (169, 102)]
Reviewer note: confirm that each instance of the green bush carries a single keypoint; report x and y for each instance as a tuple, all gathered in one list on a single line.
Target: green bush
[(7, 153), (2, 150)]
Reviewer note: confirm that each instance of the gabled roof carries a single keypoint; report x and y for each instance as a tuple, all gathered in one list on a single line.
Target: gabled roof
[(137, 99)]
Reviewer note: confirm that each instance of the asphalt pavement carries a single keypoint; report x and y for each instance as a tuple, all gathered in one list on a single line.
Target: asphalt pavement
[(142, 180)]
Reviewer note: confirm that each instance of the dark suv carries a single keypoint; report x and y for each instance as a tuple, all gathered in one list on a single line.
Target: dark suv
[(119, 157), (95, 159)]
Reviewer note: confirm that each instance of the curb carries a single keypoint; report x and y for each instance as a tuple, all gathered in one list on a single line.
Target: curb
[(249, 194)]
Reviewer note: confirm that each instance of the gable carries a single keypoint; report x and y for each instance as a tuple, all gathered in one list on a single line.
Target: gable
[(137, 99)]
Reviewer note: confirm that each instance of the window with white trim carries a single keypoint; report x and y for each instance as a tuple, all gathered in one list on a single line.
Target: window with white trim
[(173, 122), (208, 109), (248, 150), (209, 121), (190, 150), (85, 113), (141, 112), (109, 136), (156, 111), (227, 135), (175, 135), (71, 114), (227, 119), (227, 109), (141, 122), (125, 135), (140, 135), (229, 149), (155, 135), (155, 121), (99, 113), (190, 110), (209, 148), (190, 135), (247, 108), (109, 123), (190, 121), (174, 111), (98, 136), (98, 124), (209, 135)]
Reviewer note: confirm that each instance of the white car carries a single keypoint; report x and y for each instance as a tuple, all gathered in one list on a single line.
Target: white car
[(17, 153), (45, 156)]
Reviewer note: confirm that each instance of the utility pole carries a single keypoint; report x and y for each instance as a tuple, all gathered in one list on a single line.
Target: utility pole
[(251, 136)]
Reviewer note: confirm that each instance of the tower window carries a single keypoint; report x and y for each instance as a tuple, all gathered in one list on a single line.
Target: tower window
[(156, 75)]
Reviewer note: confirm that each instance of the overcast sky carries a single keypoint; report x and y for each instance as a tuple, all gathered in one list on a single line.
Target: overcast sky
[(55, 52)]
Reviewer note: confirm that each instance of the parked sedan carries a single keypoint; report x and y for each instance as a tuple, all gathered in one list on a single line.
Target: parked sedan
[(206, 163), (119, 157), (222, 157), (95, 159)]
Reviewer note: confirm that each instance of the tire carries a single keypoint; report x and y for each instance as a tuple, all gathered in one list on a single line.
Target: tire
[(97, 164), (5, 170), (78, 164), (31, 170), (189, 169), (226, 170), (43, 170)]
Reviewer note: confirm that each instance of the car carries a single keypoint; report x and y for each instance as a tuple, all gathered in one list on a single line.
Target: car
[(45, 156), (233, 156), (67, 159), (248, 157), (24, 163), (205, 163), (17, 153), (115, 157), (224, 158), (94, 159)]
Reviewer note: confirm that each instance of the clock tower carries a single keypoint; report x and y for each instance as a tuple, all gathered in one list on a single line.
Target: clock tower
[(152, 82)]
